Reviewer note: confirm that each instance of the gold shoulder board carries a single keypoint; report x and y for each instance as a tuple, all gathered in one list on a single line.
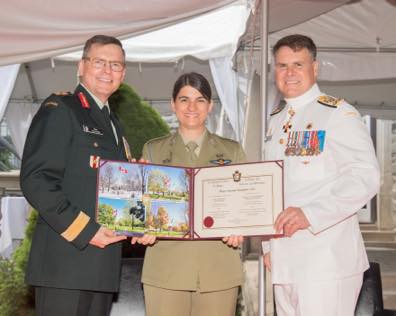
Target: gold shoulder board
[(330, 101), (279, 108)]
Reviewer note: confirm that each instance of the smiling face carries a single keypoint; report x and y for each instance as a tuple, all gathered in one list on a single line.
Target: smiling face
[(191, 109), (102, 82), (295, 71)]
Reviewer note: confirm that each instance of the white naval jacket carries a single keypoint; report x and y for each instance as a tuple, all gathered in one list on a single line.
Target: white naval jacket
[(330, 188)]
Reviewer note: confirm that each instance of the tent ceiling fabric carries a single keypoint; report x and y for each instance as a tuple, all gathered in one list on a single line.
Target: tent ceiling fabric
[(31, 30), (358, 24), (191, 37), (286, 13)]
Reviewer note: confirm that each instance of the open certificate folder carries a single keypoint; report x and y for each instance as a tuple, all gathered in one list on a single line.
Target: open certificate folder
[(190, 203)]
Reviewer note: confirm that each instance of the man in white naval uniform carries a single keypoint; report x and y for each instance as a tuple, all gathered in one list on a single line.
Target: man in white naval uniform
[(331, 171)]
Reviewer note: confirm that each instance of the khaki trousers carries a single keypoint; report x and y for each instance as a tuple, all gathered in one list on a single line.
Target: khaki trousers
[(164, 302), (324, 298)]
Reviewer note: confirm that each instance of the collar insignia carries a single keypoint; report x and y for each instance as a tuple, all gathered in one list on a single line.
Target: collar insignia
[(83, 100)]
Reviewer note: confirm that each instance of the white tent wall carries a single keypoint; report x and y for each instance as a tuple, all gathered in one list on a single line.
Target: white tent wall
[(225, 25)]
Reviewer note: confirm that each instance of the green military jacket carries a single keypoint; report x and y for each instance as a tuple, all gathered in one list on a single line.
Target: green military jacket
[(58, 178), (192, 265)]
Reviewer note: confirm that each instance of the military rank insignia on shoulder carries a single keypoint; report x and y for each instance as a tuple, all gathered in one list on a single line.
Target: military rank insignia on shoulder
[(279, 108), (51, 104), (63, 93), (330, 101)]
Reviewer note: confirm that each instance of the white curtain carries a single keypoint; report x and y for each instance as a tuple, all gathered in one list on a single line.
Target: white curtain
[(19, 116), (8, 76), (225, 81)]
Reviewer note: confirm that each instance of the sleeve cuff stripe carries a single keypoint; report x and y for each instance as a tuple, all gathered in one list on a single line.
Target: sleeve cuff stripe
[(76, 227)]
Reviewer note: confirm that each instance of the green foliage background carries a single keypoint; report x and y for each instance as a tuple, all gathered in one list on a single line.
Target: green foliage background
[(139, 120), (15, 296)]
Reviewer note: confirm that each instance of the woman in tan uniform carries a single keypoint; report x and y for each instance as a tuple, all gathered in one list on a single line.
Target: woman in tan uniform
[(192, 278)]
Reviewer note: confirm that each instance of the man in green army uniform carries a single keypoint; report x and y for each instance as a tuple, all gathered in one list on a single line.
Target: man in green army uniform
[(74, 263), (198, 278)]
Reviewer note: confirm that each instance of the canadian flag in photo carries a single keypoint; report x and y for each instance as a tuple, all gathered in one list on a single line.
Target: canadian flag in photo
[(122, 170)]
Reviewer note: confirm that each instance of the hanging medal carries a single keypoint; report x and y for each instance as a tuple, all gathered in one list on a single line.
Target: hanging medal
[(316, 144), (305, 143), (321, 139), (310, 144), (288, 145), (298, 144), (287, 126), (293, 144)]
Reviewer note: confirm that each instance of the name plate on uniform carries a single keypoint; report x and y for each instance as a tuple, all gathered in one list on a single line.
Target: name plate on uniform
[(190, 203)]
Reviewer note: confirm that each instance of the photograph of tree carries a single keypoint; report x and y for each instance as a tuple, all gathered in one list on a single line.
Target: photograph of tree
[(134, 199)]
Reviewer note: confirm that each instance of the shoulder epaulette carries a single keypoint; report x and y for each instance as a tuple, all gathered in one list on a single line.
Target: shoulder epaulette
[(63, 93), (51, 104), (330, 101), (153, 140), (215, 136), (279, 108)]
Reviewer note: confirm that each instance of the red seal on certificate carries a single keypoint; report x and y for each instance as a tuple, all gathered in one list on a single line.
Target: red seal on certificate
[(208, 221)]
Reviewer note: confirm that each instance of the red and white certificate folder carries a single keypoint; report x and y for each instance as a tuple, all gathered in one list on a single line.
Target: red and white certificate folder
[(190, 203)]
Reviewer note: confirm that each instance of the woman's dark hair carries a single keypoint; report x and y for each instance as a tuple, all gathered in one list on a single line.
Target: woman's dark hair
[(296, 42), (194, 80)]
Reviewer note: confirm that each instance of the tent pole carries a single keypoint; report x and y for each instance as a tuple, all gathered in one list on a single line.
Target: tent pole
[(264, 72), (263, 102), (31, 82)]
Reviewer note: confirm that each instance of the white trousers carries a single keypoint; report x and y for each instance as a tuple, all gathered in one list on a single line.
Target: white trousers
[(324, 298)]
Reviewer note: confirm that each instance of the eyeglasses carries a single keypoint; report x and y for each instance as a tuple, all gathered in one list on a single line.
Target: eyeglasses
[(98, 63)]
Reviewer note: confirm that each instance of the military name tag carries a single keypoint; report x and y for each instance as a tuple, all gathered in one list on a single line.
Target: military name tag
[(92, 130)]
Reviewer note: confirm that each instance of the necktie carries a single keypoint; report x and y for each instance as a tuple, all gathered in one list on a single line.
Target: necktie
[(106, 115), (191, 150)]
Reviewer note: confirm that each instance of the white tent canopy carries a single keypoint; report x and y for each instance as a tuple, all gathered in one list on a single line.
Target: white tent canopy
[(356, 41), (213, 35), (31, 30), (206, 36), (197, 28)]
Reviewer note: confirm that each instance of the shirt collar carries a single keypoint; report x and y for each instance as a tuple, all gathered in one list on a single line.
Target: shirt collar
[(198, 141), (96, 99), (305, 98)]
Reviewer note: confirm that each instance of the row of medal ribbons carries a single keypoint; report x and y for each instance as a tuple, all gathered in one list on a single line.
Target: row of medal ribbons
[(305, 143)]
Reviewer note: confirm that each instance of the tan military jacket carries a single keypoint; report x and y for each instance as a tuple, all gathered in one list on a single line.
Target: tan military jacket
[(192, 265)]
